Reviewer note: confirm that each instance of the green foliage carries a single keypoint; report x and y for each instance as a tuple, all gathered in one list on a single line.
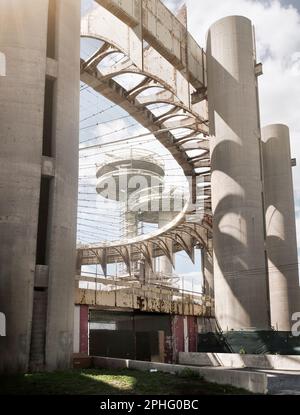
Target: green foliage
[(188, 373)]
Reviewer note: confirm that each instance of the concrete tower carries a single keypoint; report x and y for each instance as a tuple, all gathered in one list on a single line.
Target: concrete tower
[(39, 118), (137, 180), (280, 226), (240, 276)]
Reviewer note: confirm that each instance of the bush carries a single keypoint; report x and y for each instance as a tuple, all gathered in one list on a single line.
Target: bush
[(189, 374)]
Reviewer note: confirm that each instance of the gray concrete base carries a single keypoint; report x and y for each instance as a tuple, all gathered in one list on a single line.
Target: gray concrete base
[(250, 381), (282, 382), (239, 361)]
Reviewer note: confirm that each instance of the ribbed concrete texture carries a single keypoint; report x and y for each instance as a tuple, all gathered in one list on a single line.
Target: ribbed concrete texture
[(207, 271), (280, 226), (238, 226), (30, 148)]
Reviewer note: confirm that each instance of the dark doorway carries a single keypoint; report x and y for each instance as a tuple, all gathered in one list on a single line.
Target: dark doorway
[(128, 335)]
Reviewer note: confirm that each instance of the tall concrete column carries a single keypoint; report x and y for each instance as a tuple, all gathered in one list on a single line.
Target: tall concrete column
[(62, 244), (240, 276), (130, 225), (280, 226), (23, 41), (207, 272), (39, 106)]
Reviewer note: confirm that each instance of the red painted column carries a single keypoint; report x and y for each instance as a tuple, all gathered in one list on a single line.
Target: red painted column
[(84, 330)]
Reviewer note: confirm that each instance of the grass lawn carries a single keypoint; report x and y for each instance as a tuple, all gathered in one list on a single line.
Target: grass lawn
[(111, 382)]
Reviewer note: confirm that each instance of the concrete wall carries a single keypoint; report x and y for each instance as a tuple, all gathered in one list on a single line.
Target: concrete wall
[(233, 360), (240, 278), (253, 382), (23, 40), (280, 226)]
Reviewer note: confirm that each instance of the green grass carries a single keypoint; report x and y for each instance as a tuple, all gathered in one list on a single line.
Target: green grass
[(110, 382)]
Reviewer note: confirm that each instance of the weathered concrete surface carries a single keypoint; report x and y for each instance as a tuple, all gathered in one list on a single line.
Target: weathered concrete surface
[(283, 382), (162, 30), (280, 226), (38, 304), (62, 244), (251, 381), (234, 360), (207, 271), (2, 64), (240, 278), (23, 41)]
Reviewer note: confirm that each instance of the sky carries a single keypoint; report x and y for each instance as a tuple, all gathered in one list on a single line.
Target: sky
[(277, 26)]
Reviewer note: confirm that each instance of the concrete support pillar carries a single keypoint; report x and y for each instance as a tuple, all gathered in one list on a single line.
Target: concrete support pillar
[(165, 266), (238, 226), (38, 180), (207, 272), (62, 243), (131, 228), (280, 226), (23, 41)]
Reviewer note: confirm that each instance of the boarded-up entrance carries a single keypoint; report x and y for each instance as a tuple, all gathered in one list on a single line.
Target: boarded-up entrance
[(128, 335)]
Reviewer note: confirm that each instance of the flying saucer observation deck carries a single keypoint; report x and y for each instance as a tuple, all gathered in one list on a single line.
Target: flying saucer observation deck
[(118, 170), (172, 73)]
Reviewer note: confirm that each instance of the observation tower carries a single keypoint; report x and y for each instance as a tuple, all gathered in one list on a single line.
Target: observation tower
[(136, 180)]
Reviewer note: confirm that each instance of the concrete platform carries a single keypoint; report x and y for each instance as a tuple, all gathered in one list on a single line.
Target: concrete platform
[(251, 381), (282, 382), (282, 372)]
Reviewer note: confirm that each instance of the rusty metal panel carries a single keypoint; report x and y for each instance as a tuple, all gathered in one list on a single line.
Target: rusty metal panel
[(124, 300), (165, 306), (192, 333), (106, 298), (146, 299)]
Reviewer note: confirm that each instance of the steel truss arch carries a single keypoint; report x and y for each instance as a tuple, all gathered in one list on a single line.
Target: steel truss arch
[(174, 91)]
